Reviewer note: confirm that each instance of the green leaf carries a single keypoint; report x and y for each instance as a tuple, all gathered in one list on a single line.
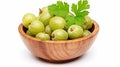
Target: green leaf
[(59, 9), (80, 11), (83, 14), (74, 20), (79, 21), (81, 8), (74, 9), (70, 20), (83, 5)]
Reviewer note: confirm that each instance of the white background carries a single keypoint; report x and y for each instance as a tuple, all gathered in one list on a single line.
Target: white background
[(105, 52)]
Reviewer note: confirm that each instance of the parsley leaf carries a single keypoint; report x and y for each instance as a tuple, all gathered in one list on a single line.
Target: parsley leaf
[(59, 9), (74, 20), (79, 10), (70, 20)]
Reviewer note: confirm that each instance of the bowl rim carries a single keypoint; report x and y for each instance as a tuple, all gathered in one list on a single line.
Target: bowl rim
[(94, 32)]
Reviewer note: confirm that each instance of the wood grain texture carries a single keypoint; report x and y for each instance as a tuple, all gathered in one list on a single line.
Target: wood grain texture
[(57, 51)]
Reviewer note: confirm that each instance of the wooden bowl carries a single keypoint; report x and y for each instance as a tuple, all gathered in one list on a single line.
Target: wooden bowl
[(59, 51)]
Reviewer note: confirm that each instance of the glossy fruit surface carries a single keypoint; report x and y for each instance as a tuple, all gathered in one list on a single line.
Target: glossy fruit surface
[(57, 23), (75, 31), (28, 33), (36, 27), (27, 19), (59, 34), (48, 30), (88, 23), (43, 36), (45, 16), (44, 9), (86, 32)]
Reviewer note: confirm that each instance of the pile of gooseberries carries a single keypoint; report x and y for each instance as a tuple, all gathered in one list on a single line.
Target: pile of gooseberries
[(50, 27)]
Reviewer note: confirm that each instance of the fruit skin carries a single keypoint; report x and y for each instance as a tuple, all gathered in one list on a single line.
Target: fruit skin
[(87, 23), (86, 32), (57, 23), (28, 33), (45, 16), (38, 17), (43, 36), (59, 34), (75, 31), (27, 19), (44, 9), (48, 30), (36, 27)]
